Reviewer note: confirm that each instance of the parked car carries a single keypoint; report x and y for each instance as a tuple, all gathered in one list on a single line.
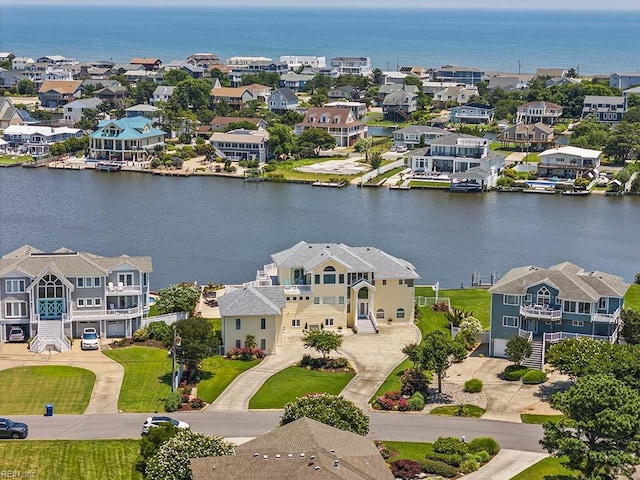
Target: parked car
[(16, 334), (157, 421), (401, 149), (11, 429), (89, 339)]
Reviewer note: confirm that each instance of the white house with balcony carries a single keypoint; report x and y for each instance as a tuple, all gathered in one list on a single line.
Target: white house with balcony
[(125, 139), (53, 296), (568, 162), (360, 66), (294, 62)]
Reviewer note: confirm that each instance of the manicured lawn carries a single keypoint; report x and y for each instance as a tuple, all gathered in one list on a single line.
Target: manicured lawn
[(218, 373), (539, 419), (288, 170), (408, 450), (548, 468), (147, 378), (452, 411), (13, 159), (392, 382), (26, 390), (293, 382), (632, 298), (71, 459), (386, 175), (423, 184)]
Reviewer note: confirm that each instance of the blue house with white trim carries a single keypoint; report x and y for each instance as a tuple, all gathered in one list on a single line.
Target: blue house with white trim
[(547, 305), (126, 139)]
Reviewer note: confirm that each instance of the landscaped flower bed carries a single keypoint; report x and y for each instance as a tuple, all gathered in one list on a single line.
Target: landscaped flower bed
[(325, 364)]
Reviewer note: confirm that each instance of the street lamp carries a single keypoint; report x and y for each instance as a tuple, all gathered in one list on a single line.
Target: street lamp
[(177, 341)]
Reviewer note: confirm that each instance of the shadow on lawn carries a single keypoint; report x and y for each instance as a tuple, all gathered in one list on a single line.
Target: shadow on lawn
[(546, 391), (202, 375)]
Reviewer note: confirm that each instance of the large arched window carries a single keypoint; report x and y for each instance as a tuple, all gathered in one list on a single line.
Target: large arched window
[(363, 294), (329, 275), (50, 286), (544, 296), (380, 313), (400, 313)]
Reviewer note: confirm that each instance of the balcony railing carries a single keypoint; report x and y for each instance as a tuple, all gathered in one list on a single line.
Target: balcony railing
[(559, 336), (122, 289), (296, 289), (112, 314), (607, 317), (540, 312)]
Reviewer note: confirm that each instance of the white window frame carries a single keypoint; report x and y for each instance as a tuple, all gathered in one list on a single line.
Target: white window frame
[(577, 323), (10, 309), (380, 314), (88, 302), (528, 298), (295, 322), (97, 282), (328, 322), (340, 300), (511, 300), (80, 302), (238, 343), (97, 302), (506, 320), (10, 284), (603, 305), (400, 313), (570, 303), (584, 306), (316, 300), (238, 324)]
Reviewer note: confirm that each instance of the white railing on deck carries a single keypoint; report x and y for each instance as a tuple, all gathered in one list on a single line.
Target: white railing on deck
[(535, 311), (607, 317), (525, 334), (122, 289), (168, 318), (108, 313)]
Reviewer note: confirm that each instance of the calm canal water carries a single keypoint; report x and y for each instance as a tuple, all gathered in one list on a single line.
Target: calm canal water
[(224, 230)]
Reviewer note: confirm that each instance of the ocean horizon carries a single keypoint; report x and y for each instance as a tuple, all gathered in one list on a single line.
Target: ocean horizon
[(515, 40)]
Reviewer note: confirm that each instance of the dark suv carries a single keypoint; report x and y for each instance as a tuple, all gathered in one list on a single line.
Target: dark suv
[(11, 429)]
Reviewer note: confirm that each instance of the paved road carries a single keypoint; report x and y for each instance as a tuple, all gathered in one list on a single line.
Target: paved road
[(387, 426)]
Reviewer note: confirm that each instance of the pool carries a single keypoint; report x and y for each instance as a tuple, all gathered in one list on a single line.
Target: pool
[(541, 183)]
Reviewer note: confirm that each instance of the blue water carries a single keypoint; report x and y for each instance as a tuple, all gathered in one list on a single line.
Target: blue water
[(596, 42)]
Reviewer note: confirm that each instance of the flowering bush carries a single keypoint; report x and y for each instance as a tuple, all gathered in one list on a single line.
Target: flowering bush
[(395, 401), (319, 362), (382, 448), (197, 403), (440, 307), (186, 397), (413, 380), (245, 354)]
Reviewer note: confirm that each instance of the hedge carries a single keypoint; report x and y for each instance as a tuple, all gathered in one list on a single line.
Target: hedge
[(450, 459), (514, 372), (486, 444), (534, 377), (439, 468)]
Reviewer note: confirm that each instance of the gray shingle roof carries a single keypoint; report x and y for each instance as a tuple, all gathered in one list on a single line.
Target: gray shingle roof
[(288, 94), (252, 301), (422, 129)]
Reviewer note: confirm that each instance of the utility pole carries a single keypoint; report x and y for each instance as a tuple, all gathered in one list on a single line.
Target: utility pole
[(177, 341)]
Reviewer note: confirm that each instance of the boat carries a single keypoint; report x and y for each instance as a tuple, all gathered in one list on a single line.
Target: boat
[(108, 166), (466, 187), (576, 192)]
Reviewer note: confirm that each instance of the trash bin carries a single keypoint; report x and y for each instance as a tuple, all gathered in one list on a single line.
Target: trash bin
[(48, 410)]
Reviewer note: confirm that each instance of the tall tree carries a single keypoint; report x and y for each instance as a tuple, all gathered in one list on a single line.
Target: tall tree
[(624, 142), (312, 140), (281, 140), (26, 87), (323, 341), (178, 298), (192, 93), (143, 91), (89, 120), (174, 77), (631, 326), (435, 353), (198, 341)]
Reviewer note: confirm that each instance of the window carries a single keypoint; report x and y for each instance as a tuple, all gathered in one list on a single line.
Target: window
[(384, 282), (238, 324), (97, 302), (15, 309), (328, 300), (263, 344), (80, 282), (603, 303), (263, 324), (80, 302), (316, 300), (238, 344), (577, 323), (569, 306), (125, 278), (14, 286), (544, 296), (340, 300), (409, 282), (512, 322), (50, 286), (341, 278), (527, 298), (295, 322), (380, 313), (584, 307), (316, 279), (329, 276), (400, 282), (328, 322), (400, 313), (96, 281), (88, 302), (511, 300)]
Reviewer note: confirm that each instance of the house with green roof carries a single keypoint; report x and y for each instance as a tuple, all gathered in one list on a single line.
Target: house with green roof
[(126, 139)]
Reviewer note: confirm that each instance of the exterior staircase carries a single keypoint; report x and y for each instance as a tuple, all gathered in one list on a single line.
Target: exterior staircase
[(50, 334), (535, 359), (365, 326)]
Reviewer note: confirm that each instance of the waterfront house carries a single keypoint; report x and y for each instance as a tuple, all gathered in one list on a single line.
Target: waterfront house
[(568, 162), (21, 63), (204, 60), (557, 81), (9, 78), (295, 81), (413, 135), (36, 140), (294, 62), (539, 111), (126, 139), (73, 111), (149, 64), (162, 93), (509, 83), (534, 137), (56, 60), (56, 93), (319, 285), (221, 123), (301, 450), (143, 110), (360, 66), (53, 296), (430, 88), (551, 72), (235, 97), (472, 113), (607, 109), (457, 74), (621, 81), (345, 92), (242, 144), (339, 122), (281, 100), (627, 93), (398, 106), (236, 73), (547, 305), (459, 94)]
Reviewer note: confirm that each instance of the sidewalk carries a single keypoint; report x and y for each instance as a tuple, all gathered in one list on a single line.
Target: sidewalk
[(109, 373), (505, 465)]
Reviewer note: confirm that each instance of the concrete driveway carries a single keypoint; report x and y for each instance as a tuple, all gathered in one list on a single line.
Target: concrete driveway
[(109, 373)]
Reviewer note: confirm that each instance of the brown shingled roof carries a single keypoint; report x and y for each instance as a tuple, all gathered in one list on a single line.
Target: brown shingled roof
[(60, 86)]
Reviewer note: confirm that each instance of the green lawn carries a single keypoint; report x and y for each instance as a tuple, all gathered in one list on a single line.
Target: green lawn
[(539, 419), (147, 378), (425, 184), (293, 382), (71, 459), (548, 468), (452, 411), (26, 390), (392, 382), (632, 298), (386, 175), (288, 170), (408, 450), (476, 300), (13, 159), (218, 373)]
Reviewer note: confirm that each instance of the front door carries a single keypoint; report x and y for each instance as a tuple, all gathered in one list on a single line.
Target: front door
[(532, 325), (363, 308)]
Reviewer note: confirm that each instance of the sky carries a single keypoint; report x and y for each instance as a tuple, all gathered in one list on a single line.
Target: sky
[(473, 4)]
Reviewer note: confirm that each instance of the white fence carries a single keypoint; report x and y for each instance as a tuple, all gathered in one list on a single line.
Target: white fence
[(430, 301), (482, 337), (167, 318), (379, 171)]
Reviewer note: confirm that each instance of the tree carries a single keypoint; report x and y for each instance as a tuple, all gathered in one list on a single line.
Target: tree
[(632, 115), (173, 460), (577, 357), (331, 410), (313, 139), (174, 77), (363, 145), (253, 108), (590, 133), (376, 160), (152, 441), (472, 324), (600, 431), (222, 108), (323, 341), (89, 119), (623, 142), (217, 74), (143, 91), (631, 326), (290, 117), (281, 140), (178, 298), (517, 349), (435, 353), (243, 124), (318, 99), (192, 93), (26, 87), (198, 341)]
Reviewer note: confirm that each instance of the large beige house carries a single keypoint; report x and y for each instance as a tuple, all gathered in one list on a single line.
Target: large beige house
[(319, 285)]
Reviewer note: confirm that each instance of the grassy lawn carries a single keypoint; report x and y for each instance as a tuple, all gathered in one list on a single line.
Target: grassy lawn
[(408, 450), (26, 390), (288, 170), (392, 382), (474, 300), (218, 373), (539, 419), (13, 159), (147, 378), (549, 468), (293, 382), (452, 411), (386, 175), (70, 459), (632, 298), (425, 184)]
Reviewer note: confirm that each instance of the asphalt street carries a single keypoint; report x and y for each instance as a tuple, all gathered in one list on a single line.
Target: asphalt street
[(384, 426)]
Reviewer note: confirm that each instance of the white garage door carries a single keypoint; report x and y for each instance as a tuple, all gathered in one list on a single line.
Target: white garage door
[(83, 325), (115, 328), (499, 346)]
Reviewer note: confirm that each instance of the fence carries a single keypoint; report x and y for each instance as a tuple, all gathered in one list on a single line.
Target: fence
[(167, 318), (430, 301), (482, 337), (379, 171)]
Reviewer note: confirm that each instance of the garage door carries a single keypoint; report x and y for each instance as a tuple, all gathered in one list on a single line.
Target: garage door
[(115, 328), (82, 325), (499, 346)]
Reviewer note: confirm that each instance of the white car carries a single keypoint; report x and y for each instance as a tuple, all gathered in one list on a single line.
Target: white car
[(16, 334), (401, 149), (90, 340), (158, 420)]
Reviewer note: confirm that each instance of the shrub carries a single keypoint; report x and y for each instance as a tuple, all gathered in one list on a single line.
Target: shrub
[(406, 469), (382, 448), (450, 445), (459, 352), (469, 466), (483, 456), (514, 372), (471, 324), (466, 338), (403, 404), (140, 335), (534, 377), (450, 459), (172, 402), (186, 398), (486, 444), (197, 403), (413, 380), (438, 468), (416, 402), (245, 354), (160, 331), (440, 307), (473, 386)]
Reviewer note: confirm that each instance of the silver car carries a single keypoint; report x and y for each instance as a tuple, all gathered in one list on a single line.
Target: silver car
[(161, 420), (89, 339), (16, 334)]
